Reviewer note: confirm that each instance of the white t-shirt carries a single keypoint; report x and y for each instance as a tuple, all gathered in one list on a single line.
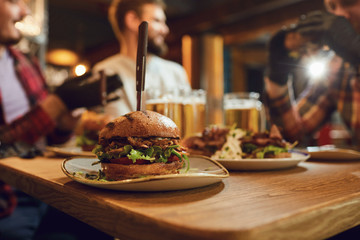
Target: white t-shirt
[(13, 97), (161, 75)]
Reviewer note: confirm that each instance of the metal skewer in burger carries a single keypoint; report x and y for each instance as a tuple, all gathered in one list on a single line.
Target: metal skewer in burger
[(140, 143)]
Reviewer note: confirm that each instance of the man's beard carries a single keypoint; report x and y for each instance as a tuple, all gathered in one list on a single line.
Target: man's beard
[(159, 50), (10, 41)]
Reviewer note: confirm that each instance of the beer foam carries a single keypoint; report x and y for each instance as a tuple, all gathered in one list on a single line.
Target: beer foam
[(241, 104)]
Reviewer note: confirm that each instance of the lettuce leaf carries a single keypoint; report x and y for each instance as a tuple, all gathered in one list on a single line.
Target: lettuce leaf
[(136, 154)]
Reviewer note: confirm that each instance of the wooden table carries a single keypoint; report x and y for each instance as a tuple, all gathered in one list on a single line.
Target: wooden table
[(312, 201)]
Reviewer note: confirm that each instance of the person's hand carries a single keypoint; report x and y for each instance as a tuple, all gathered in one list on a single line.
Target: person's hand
[(335, 31), (83, 91), (280, 63)]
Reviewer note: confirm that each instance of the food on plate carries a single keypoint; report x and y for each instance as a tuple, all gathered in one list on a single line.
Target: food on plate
[(138, 144), (211, 140), (87, 132), (236, 143), (246, 144), (232, 148)]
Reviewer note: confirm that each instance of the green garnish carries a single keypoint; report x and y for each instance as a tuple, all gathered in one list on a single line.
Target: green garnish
[(269, 150), (83, 140), (136, 154)]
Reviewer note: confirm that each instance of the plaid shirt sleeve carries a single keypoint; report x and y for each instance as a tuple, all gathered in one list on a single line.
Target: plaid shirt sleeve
[(282, 113), (304, 116), (29, 128)]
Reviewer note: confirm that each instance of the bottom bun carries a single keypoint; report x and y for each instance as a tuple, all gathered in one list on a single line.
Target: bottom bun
[(114, 171)]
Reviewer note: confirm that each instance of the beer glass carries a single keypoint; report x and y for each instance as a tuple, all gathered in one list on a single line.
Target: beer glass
[(245, 110), (186, 109), (194, 104), (168, 104)]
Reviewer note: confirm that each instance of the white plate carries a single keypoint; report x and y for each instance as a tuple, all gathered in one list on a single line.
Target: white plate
[(265, 163), (332, 153), (203, 171), (69, 151)]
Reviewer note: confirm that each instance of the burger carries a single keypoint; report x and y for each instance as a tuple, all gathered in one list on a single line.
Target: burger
[(87, 132), (138, 144)]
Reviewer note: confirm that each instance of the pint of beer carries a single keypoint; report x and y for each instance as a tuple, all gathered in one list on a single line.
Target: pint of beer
[(172, 109), (245, 111), (186, 110), (194, 113), (157, 106)]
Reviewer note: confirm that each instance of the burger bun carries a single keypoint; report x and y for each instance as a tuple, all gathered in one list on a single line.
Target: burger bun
[(140, 124), (114, 172)]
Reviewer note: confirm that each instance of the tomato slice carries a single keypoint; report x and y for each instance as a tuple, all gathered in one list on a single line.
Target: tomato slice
[(173, 158)]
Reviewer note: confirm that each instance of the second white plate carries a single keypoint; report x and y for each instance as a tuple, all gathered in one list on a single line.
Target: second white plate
[(69, 151), (332, 153), (265, 163)]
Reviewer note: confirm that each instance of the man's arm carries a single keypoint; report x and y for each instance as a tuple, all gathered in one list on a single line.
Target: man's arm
[(285, 50)]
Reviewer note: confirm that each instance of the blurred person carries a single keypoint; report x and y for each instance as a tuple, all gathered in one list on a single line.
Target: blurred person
[(333, 35), (28, 114), (162, 76)]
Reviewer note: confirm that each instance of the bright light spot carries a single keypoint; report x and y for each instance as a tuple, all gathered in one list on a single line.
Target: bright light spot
[(29, 26), (317, 69), (80, 69), (62, 57)]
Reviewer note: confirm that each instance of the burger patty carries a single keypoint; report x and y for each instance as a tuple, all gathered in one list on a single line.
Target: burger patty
[(151, 149), (116, 144)]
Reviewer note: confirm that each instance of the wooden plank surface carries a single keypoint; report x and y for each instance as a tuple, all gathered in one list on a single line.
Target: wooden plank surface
[(312, 201)]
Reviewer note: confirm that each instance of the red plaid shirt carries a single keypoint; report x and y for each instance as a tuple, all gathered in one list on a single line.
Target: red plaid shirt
[(304, 116), (29, 128), (36, 123)]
